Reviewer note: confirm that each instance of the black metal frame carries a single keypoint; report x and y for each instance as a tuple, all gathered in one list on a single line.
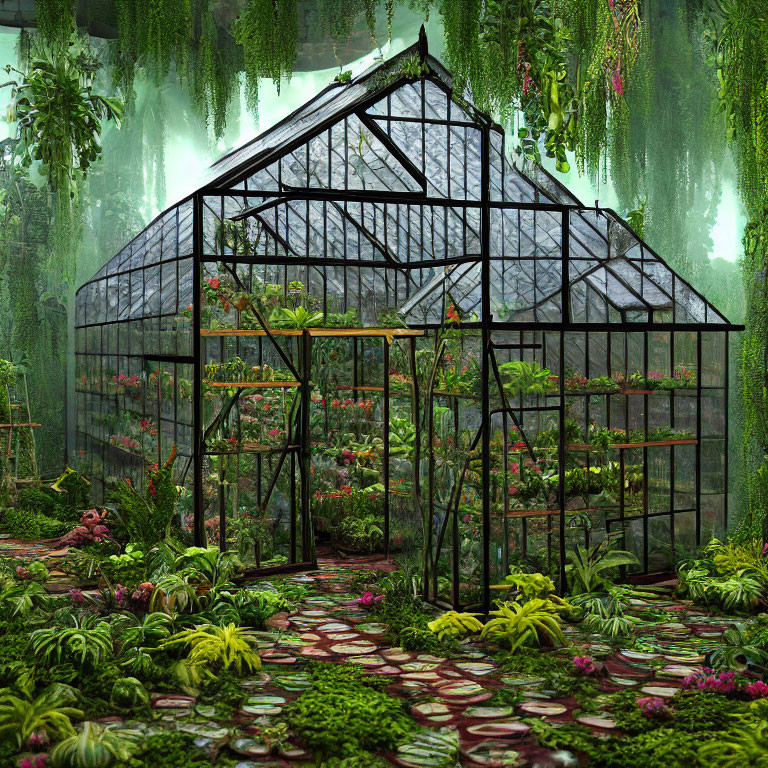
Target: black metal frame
[(392, 191)]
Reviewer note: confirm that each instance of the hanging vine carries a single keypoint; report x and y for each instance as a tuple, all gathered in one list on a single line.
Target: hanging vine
[(268, 32), (55, 21), (216, 62)]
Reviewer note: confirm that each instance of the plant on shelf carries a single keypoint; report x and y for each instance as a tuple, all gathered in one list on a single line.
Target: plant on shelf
[(453, 625), (298, 319), (533, 623), (520, 377), (587, 567), (598, 384)]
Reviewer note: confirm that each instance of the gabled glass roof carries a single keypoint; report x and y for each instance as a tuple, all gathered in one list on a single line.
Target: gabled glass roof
[(386, 172)]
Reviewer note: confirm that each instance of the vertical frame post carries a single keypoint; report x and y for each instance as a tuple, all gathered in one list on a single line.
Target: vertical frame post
[(385, 453), (197, 365), (485, 402)]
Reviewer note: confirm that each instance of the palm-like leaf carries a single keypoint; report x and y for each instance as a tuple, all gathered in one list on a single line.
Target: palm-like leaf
[(517, 625), (586, 565), (228, 647), (453, 624)]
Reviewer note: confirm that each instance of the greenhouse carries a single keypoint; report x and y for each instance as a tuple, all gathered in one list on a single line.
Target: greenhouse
[(370, 331), (384, 384)]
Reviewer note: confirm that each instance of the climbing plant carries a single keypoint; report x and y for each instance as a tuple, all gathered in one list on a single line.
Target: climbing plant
[(55, 21)]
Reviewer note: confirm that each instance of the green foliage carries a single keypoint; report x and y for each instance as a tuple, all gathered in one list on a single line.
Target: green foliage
[(50, 711), (533, 623), (528, 585), (78, 645), (170, 749), (520, 377), (128, 693), (587, 565), (341, 695), (251, 608), (26, 525), (148, 517), (215, 648), (453, 625), (94, 746), (22, 598), (153, 33), (268, 32), (55, 21)]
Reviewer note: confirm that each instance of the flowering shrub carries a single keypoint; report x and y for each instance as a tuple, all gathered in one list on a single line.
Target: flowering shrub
[(586, 665), (757, 690), (706, 680), (91, 529), (368, 599), (652, 706)]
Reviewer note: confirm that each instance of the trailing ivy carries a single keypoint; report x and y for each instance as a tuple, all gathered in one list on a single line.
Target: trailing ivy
[(268, 32), (55, 20)]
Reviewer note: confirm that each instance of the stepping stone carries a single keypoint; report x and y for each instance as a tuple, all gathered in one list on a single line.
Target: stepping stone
[(596, 722), (388, 670), (290, 752), (355, 647), (501, 730), (426, 676), (314, 652), (489, 713), (205, 710), (418, 666), (426, 658), (371, 629), (173, 702), (339, 636), (476, 667), (430, 709), (495, 754), (677, 670), (639, 655), (249, 747), (543, 709), (624, 682), (429, 749), (309, 636), (210, 731), (334, 627), (693, 658), (665, 691), (255, 682), (368, 661)]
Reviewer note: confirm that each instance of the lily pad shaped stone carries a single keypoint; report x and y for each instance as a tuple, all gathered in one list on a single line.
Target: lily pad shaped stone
[(494, 754), (596, 722), (489, 713), (665, 691), (476, 667), (543, 708), (249, 747), (355, 647), (460, 689), (508, 729)]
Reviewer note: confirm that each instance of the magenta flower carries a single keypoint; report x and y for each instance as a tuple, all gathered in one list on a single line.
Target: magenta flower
[(38, 740), (77, 596), (757, 690), (724, 682), (22, 572), (121, 595), (368, 599), (585, 665), (617, 83)]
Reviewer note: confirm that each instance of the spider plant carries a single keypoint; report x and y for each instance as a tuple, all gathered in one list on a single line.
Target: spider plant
[(94, 746), (220, 648), (50, 711), (587, 565), (453, 625), (77, 645), (530, 624)]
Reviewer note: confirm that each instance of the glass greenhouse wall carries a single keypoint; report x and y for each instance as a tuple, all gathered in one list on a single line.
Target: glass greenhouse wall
[(370, 331)]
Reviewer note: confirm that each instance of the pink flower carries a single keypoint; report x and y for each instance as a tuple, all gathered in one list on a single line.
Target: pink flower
[(38, 740), (368, 599), (467, 518), (757, 690), (121, 595), (724, 682), (652, 705), (585, 664), (77, 596), (22, 572), (616, 82), (512, 490), (275, 432)]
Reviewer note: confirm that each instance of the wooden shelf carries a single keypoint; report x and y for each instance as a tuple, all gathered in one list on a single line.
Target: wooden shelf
[(349, 387), (20, 424), (253, 384), (254, 448), (388, 333), (624, 446)]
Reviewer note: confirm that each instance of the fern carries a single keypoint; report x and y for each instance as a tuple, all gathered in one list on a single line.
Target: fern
[(453, 625)]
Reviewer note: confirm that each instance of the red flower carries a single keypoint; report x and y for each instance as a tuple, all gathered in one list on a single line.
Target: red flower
[(452, 315), (214, 282)]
